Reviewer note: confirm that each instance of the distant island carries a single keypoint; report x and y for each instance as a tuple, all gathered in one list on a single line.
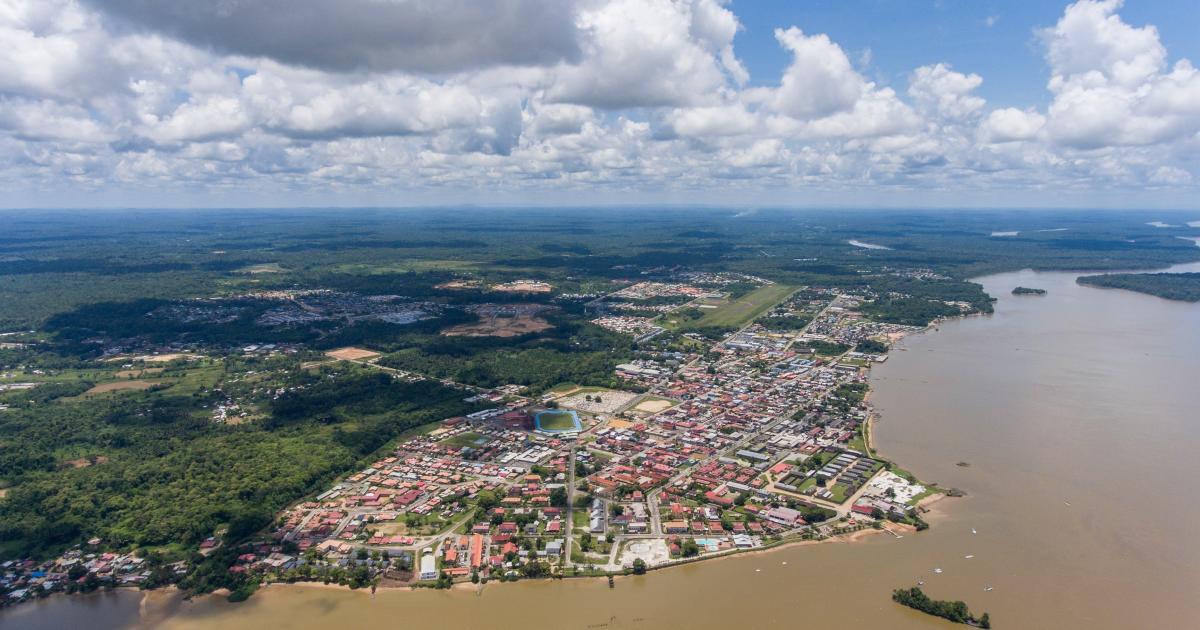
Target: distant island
[(955, 611), (1184, 287), (1028, 291)]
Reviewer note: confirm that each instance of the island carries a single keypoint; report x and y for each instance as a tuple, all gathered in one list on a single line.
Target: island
[(955, 611), (1028, 291), (1183, 287)]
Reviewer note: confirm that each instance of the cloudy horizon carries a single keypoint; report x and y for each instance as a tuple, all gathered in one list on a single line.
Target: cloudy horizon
[(136, 103)]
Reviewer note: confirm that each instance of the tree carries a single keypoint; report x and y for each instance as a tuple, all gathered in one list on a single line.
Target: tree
[(558, 497), (533, 569), (486, 499), (639, 566), (985, 621)]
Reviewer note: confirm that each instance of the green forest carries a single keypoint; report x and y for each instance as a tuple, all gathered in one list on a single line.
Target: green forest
[(170, 477), (1184, 287)]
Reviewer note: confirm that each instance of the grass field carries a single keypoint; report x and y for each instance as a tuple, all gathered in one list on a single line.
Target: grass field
[(120, 386), (463, 439), (556, 420), (741, 310)]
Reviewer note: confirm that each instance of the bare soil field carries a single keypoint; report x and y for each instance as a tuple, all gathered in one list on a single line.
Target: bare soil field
[(352, 354), (154, 358), (118, 386), (459, 285), (652, 406), (500, 326), (263, 268), (165, 358), (84, 462)]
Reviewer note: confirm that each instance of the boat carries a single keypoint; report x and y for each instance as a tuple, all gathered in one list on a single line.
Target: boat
[(973, 530), (937, 570), (969, 556), (920, 582), (986, 589)]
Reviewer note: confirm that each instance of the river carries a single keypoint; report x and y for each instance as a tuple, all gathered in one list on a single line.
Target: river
[(1076, 413)]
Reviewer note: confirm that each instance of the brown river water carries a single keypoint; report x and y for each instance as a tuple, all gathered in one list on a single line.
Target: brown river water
[(1077, 415)]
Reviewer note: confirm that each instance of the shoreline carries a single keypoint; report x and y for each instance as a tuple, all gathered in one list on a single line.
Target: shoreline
[(849, 538)]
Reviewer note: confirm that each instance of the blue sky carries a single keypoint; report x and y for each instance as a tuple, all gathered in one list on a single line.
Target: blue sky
[(1090, 103), (994, 39)]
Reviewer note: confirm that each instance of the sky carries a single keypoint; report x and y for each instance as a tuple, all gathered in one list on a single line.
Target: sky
[(790, 103)]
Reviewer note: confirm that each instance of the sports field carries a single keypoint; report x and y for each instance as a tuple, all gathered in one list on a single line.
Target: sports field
[(558, 421)]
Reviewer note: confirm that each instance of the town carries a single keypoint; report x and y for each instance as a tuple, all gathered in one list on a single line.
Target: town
[(755, 439)]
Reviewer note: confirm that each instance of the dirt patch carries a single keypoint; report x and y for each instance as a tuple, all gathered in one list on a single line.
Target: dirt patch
[(164, 358), (121, 386), (263, 268), (653, 406), (523, 286), (352, 354), (308, 365), (394, 528), (500, 326), (459, 285), (84, 462), (154, 358)]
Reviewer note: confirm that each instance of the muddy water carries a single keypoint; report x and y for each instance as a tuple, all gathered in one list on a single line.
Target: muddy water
[(1077, 415)]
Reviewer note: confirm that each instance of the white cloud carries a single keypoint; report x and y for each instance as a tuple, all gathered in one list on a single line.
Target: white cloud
[(707, 122), (1111, 84), (820, 80), (649, 53), (1011, 124), (940, 91), (578, 95)]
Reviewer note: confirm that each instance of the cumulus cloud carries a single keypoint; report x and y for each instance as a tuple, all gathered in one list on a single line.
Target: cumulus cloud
[(650, 53), (532, 95), (820, 80), (940, 91), (382, 35), (1011, 124), (1111, 83)]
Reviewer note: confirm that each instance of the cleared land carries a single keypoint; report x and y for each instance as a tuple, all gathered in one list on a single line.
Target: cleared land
[(741, 310), (120, 386), (352, 354), (652, 405), (500, 326), (263, 268)]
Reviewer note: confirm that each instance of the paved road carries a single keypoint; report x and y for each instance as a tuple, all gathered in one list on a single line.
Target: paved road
[(569, 523)]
